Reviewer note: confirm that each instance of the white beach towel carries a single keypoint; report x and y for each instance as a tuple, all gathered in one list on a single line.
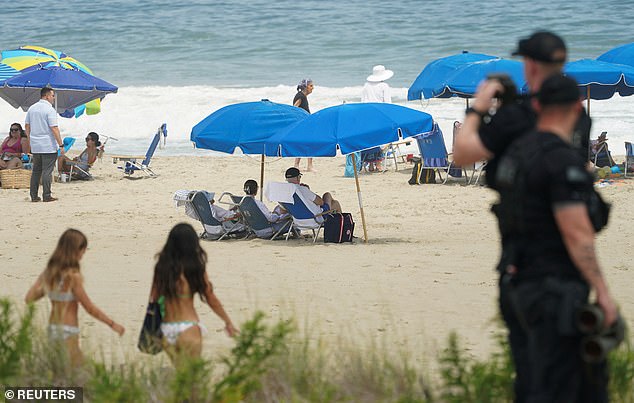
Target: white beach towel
[(280, 192), (181, 198)]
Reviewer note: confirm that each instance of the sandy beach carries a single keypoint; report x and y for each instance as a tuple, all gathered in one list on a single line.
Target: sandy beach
[(426, 270)]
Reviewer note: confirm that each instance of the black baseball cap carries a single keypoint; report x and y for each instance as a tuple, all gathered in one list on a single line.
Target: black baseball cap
[(558, 90), (292, 173), (542, 46)]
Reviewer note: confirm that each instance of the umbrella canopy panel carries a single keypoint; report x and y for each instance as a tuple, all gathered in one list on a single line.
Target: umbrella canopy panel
[(464, 81), (602, 78), (350, 127), (432, 81), (623, 54), (72, 88), (245, 126), (27, 57)]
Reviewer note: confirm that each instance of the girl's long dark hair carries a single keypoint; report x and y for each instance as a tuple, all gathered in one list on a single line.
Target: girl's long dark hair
[(181, 254)]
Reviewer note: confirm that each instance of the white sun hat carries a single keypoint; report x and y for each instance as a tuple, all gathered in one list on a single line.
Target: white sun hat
[(379, 73)]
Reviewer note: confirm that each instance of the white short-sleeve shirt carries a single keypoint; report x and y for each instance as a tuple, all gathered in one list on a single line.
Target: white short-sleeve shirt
[(41, 116), (376, 92)]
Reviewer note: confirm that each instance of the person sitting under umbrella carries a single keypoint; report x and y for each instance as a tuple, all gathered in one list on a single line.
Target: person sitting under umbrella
[(326, 202), (600, 153)]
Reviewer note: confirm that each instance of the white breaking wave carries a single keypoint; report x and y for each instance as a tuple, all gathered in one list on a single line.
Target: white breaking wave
[(134, 113)]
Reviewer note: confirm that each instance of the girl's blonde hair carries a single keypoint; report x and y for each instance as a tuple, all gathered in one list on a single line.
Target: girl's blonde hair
[(65, 257)]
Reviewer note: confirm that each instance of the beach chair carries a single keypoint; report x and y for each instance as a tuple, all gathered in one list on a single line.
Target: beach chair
[(306, 214), (476, 168), (255, 219), (213, 229), (131, 164), (434, 154), (629, 157)]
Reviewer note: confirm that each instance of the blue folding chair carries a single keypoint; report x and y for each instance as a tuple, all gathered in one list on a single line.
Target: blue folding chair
[(256, 221), (213, 228), (131, 164), (434, 154)]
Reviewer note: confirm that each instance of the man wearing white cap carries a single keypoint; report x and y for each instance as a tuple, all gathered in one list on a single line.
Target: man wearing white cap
[(376, 90)]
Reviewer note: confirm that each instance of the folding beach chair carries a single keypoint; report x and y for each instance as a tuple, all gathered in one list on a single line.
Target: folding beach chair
[(255, 219), (434, 154), (213, 229), (476, 168), (131, 163), (306, 214), (629, 157)]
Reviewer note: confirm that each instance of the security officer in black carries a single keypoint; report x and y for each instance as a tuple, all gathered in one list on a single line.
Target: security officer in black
[(490, 126), (548, 214)]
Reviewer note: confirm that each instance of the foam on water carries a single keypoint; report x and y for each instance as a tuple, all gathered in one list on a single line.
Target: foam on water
[(134, 114)]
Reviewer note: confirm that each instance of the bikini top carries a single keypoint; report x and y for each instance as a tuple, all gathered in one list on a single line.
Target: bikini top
[(15, 148), (60, 296)]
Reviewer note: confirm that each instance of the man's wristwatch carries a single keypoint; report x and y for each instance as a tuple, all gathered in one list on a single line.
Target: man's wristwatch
[(477, 112)]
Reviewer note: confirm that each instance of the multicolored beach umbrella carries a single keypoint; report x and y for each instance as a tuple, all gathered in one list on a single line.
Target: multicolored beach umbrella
[(28, 58), (7, 71)]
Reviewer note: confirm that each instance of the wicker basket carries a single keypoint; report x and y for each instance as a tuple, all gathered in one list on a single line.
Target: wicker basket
[(15, 178)]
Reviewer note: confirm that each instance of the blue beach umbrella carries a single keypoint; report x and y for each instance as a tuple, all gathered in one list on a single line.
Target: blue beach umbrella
[(464, 81), (245, 126), (432, 81), (349, 127), (623, 54), (72, 88), (601, 80)]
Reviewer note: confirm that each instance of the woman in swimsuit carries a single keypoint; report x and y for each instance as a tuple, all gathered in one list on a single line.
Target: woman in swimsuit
[(12, 147), (63, 283), (84, 160), (178, 275)]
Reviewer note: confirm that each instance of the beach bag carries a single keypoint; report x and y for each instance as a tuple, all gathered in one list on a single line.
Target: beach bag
[(415, 171), (426, 176), (338, 228), (151, 337), (349, 171)]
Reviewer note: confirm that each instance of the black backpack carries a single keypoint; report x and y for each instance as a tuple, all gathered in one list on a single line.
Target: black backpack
[(427, 175)]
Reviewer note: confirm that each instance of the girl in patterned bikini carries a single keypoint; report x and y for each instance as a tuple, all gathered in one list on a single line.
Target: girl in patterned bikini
[(63, 283)]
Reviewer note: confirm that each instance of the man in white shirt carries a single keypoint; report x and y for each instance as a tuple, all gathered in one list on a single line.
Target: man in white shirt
[(44, 140), (326, 202)]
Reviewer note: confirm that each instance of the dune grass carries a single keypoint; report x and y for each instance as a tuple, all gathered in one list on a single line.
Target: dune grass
[(271, 362)]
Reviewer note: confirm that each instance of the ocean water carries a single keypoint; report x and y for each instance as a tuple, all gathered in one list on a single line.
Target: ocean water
[(178, 62)]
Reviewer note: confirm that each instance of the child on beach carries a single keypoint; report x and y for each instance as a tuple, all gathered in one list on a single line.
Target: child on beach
[(63, 283), (179, 274)]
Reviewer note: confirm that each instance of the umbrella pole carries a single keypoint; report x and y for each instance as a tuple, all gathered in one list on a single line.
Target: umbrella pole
[(588, 99), (356, 179), (261, 175)]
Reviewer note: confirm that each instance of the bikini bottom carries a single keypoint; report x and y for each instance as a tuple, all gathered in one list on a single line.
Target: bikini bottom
[(61, 332), (171, 330)]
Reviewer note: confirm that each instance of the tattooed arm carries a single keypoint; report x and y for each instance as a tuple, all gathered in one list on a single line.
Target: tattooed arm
[(578, 236)]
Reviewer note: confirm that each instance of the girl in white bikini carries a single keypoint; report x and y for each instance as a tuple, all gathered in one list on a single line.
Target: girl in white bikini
[(178, 275), (63, 283)]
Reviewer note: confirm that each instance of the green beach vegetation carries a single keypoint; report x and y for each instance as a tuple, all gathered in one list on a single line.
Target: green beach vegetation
[(271, 362)]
